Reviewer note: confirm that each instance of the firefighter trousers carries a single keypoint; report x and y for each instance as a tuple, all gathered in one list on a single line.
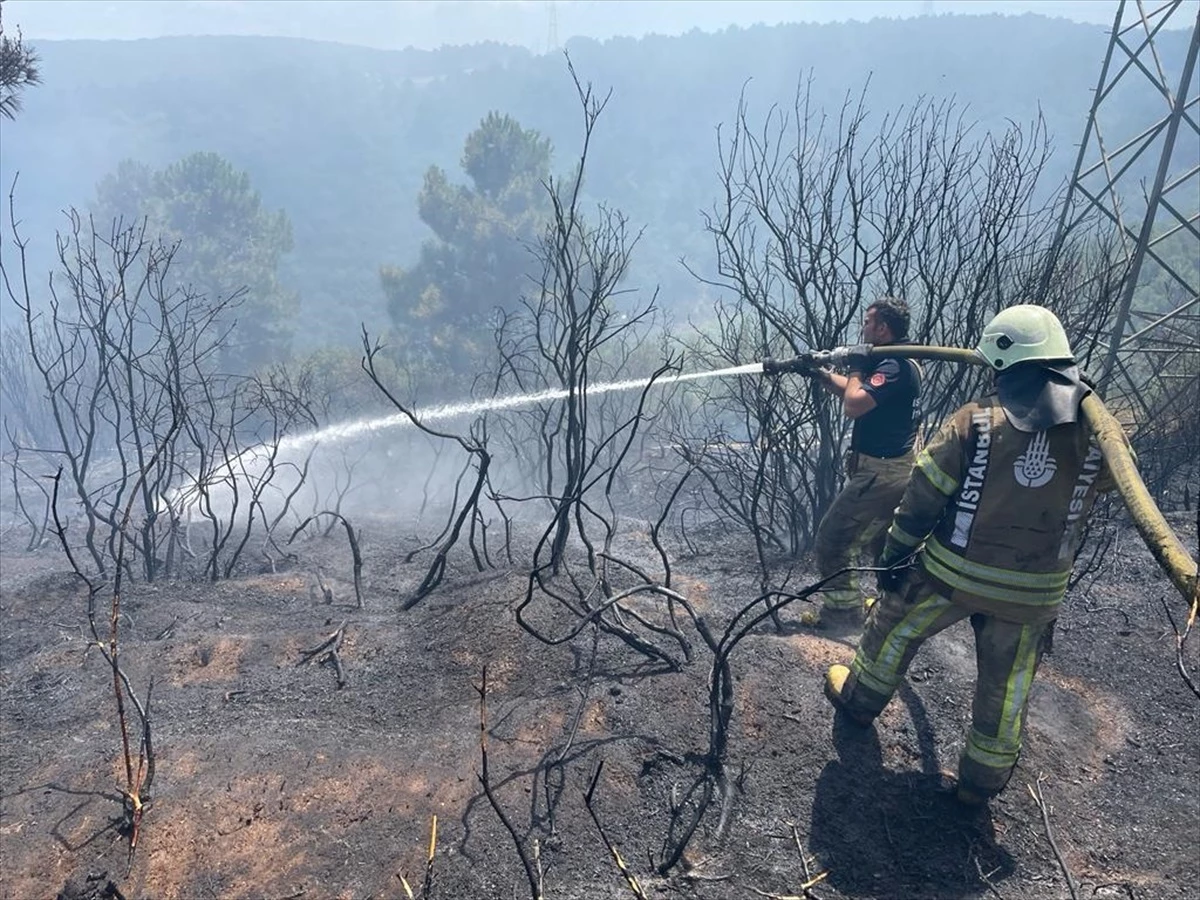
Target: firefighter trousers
[(856, 524), (1006, 660)]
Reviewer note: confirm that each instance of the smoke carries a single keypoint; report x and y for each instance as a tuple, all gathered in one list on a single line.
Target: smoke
[(380, 465)]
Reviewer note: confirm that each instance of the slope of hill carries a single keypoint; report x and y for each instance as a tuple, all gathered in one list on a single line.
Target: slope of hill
[(276, 778)]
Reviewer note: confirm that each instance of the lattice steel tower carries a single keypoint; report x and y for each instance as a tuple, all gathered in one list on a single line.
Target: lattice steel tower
[(551, 27), (1141, 173)]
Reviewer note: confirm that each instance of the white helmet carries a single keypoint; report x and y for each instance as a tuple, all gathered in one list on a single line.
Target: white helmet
[(1021, 334)]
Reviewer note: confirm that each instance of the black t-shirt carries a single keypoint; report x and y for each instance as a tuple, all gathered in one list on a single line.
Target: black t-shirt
[(890, 429)]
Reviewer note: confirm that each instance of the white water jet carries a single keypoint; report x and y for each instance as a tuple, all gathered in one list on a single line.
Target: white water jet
[(254, 461), (454, 410)]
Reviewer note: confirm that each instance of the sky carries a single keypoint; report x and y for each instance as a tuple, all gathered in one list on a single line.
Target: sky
[(427, 24)]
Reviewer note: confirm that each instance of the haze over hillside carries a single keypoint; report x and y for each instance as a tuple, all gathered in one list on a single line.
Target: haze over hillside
[(534, 24), (340, 137)]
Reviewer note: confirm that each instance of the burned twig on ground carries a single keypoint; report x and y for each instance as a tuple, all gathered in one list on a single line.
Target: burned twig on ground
[(139, 780), (1036, 794), (1181, 637), (532, 865), (556, 765), (809, 878), (427, 881), (630, 878), (327, 651)]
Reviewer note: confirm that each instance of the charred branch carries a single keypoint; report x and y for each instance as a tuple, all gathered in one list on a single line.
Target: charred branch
[(327, 652), (352, 537), (588, 798), (529, 861)]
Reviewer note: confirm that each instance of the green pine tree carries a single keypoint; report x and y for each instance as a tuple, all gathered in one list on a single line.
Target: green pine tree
[(478, 261), (229, 244)]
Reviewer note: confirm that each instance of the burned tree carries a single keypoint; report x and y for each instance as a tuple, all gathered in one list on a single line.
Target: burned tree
[(465, 515), (574, 334), (818, 215), (133, 407), (101, 352)]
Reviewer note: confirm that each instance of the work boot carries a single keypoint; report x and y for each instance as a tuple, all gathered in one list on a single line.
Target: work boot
[(835, 686), (968, 796)]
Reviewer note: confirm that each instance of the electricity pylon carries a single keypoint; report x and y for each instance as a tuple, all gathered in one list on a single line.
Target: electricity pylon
[(1155, 218), (551, 27)]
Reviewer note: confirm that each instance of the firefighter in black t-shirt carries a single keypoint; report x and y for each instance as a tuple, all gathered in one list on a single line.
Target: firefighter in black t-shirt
[(883, 397)]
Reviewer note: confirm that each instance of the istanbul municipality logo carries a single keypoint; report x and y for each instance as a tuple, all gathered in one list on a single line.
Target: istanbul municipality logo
[(1035, 467)]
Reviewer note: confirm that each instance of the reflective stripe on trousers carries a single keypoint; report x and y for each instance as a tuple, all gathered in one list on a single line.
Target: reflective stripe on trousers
[(1007, 655), (896, 629), (1006, 660)]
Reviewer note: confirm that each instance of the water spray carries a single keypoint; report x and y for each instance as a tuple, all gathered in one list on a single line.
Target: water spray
[(513, 401), (258, 456)]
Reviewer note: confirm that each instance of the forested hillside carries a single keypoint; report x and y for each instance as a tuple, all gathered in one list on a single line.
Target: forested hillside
[(338, 138)]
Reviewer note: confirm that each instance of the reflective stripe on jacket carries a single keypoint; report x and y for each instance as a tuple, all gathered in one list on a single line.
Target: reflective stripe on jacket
[(1000, 511)]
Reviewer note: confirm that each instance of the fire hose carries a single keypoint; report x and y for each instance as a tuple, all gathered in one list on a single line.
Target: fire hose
[(1160, 539)]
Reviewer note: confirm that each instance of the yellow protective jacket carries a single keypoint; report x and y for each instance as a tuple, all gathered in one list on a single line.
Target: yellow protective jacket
[(1000, 512)]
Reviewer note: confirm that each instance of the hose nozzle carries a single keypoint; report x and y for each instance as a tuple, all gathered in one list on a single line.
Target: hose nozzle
[(798, 365)]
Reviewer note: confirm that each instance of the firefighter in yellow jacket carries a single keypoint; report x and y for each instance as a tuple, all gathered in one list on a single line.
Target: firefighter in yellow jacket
[(990, 520)]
